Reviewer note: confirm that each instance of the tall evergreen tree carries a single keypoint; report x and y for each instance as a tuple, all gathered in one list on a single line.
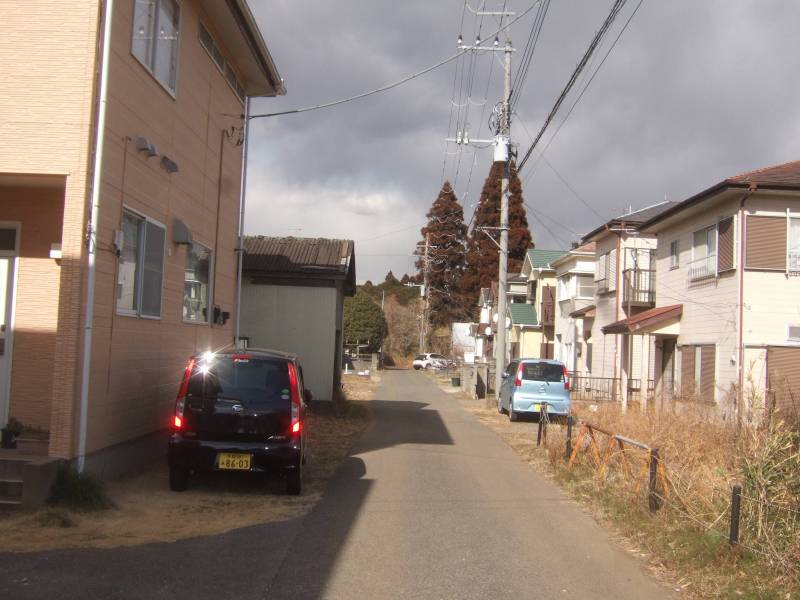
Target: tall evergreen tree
[(482, 252), (446, 257)]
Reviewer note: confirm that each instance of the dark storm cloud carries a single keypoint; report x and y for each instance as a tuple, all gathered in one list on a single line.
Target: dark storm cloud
[(694, 92)]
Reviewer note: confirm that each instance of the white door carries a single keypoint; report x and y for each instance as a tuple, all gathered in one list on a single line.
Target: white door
[(8, 248)]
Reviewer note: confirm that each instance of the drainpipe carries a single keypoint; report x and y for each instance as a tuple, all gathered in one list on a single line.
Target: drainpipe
[(240, 250), (740, 361), (92, 232)]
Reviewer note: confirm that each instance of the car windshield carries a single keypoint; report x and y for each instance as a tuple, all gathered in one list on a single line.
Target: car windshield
[(253, 382), (542, 372)]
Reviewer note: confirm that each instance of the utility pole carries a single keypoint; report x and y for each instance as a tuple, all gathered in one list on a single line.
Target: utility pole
[(426, 294), (502, 152)]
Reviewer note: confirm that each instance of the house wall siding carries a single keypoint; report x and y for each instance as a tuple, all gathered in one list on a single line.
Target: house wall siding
[(296, 319), (137, 362)]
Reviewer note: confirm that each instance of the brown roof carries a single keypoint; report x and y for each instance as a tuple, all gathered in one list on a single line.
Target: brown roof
[(292, 257), (634, 219), (785, 176), (587, 312), (654, 316)]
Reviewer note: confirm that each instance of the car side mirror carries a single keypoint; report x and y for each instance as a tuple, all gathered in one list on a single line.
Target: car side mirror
[(504, 375)]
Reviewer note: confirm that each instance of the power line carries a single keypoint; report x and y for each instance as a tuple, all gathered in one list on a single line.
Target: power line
[(586, 86), (527, 54), (388, 86), (615, 9)]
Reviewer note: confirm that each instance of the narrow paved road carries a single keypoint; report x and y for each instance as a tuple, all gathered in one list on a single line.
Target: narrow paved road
[(431, 504)]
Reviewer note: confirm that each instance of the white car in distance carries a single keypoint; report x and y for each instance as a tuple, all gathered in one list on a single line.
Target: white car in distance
[(429, 361)]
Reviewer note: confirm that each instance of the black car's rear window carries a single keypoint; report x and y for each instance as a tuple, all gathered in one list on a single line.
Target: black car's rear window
[(254, 382), (542, 372)]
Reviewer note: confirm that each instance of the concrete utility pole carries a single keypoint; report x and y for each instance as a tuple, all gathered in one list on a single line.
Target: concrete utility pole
[(502, 146), (426, 294), (501, 153)]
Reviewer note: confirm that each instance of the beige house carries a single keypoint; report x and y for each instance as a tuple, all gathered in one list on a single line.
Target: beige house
[(293, 292), (120, 174), (728, 284), (623, 367), (574, 304), (533, 326)]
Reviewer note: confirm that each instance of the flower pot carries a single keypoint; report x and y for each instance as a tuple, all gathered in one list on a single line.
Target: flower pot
[(8, 439)]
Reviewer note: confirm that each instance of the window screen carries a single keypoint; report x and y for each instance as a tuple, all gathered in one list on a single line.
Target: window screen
[(155, 38), (153, 270), (8, 239)]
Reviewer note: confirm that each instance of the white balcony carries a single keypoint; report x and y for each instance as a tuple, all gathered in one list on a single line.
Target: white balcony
[(703, 268)]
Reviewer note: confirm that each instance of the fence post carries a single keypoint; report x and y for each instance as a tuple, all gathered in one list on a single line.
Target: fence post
[(653, 500), (568, 451), (736, 500), (543, 419)]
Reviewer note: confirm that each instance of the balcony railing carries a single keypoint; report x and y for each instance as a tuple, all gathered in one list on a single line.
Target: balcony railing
[(702, 268), (639, 287), (594, 389)]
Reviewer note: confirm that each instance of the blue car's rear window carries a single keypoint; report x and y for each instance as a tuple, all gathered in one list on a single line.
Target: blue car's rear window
[(254, 382), (542, 372)]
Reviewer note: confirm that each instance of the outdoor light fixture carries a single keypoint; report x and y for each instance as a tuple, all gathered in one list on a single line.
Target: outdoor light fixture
[(460, 39)]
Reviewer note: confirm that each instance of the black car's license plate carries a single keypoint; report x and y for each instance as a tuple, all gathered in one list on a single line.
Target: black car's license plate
[(234, 462)]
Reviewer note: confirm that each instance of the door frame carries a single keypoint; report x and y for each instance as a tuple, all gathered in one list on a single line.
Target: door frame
[(11, 299)]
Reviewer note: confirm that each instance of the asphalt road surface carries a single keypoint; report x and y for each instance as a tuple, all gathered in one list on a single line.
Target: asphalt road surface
[(430, 504)]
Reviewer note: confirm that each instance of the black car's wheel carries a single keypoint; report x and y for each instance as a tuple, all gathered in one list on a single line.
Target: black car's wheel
[(178, 479), (512, 415), (294, 480)]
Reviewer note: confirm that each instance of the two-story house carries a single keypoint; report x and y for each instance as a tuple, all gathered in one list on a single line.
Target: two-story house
[(533, 323), (624, 286), (574, 308), (120, 173), (728, 283)]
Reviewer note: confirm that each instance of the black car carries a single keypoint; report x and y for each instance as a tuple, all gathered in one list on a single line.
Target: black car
[(240, 411)]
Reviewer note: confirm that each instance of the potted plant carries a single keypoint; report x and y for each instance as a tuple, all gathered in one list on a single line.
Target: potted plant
[(9, 433)]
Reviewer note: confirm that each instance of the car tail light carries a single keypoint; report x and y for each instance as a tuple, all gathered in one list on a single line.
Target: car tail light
[(518, 378), (566, 377), (294, 392), (180, 401)]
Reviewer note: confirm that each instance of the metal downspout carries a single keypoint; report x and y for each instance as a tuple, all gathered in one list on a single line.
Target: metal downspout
[(240, 250), (740, 361), (92, 233)]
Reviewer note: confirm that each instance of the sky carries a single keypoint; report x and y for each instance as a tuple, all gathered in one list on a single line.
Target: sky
[(692, 93)]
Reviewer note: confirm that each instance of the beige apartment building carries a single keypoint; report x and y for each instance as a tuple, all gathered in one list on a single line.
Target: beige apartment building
[(127, 238)]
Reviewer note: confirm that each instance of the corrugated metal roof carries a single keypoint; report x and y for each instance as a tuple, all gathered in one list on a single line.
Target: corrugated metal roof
[(541, 259), (523, 314), (296, 255)]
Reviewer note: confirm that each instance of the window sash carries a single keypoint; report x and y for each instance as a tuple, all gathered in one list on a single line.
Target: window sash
[(674, 254), (140, 285), (156, 39), (793, 245)]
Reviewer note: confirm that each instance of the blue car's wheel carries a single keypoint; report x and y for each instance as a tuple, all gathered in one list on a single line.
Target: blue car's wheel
[(512, 415)]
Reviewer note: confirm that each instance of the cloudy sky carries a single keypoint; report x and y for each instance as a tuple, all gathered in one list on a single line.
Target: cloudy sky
[(694, 91)]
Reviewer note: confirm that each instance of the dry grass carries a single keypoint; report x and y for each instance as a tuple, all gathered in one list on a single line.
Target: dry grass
[(686, 542), (147, 511)]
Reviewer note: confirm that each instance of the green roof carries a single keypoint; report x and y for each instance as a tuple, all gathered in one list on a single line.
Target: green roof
[(523, 314), (541, 259)]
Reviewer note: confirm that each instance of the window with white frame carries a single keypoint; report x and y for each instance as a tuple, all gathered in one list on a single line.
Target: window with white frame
[(197, 283), (141, 266), (674, 254), (156, 36), (704, 253), (585, 286), (793, 245), (227, 70)]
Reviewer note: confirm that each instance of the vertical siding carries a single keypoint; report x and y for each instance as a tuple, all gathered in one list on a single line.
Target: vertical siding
[(300, 320)]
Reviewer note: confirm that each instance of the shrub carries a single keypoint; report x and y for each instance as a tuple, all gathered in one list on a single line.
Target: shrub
[(78, 491)]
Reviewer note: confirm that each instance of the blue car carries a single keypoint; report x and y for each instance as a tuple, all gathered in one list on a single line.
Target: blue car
[(529, 382)]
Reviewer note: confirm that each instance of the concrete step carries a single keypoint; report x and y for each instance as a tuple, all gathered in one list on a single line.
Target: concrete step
[(11, 489)]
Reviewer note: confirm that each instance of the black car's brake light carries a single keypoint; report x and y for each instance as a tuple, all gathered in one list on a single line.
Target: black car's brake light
[(294, 393), (180, 401)]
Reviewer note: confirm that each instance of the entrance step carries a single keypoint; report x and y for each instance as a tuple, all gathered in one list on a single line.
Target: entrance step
[(11, 489), (25, 480)]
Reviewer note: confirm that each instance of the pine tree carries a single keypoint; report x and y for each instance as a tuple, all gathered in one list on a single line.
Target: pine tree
[(482, 252), (447, 233)]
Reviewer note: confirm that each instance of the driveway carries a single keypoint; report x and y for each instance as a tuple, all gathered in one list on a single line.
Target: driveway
[(431, 504)]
